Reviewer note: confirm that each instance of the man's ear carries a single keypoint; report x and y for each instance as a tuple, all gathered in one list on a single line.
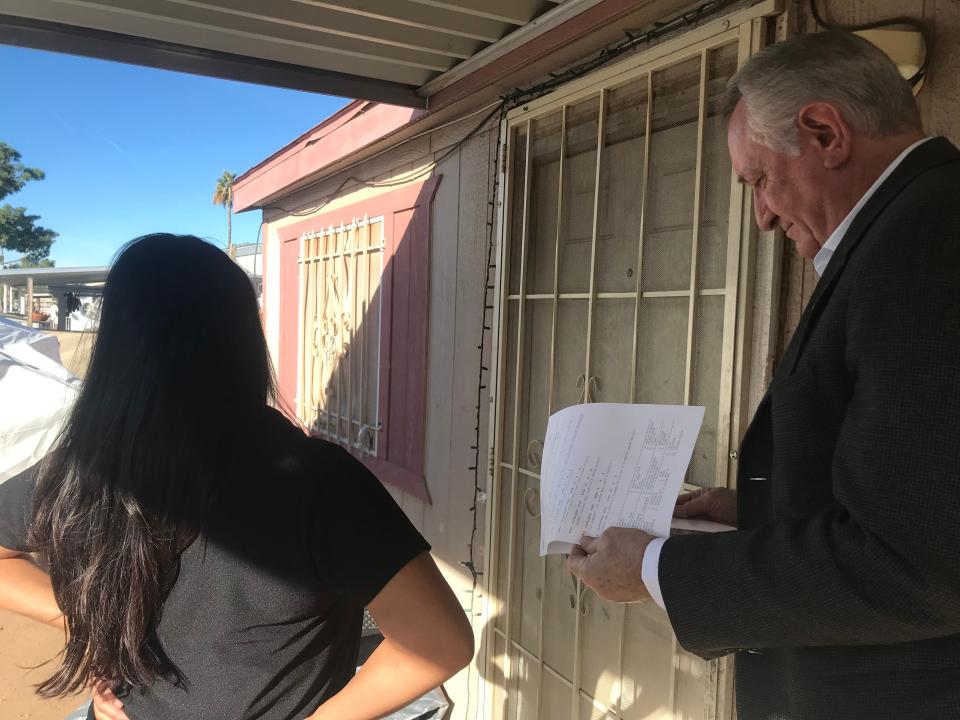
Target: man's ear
[(823, 129)]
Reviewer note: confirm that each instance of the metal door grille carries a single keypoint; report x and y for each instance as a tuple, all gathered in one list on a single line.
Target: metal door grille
[(618, 282)]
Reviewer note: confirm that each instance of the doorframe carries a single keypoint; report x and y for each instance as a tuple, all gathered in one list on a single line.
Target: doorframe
[(749, 26)]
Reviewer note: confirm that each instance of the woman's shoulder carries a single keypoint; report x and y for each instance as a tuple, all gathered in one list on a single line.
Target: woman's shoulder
[(290, 450)]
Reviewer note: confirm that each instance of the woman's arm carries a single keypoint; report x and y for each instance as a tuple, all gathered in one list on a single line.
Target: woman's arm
[(26, 590), (427, 639)]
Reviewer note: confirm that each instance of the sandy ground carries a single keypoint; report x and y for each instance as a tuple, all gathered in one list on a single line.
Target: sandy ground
[(75, 350), (24, 644)]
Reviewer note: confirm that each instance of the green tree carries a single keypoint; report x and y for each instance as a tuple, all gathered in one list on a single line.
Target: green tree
[(223, 196), (13, 173), (28, 263), (19, 231)]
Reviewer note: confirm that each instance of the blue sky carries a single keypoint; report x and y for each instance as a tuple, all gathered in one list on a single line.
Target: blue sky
[(129, 150)]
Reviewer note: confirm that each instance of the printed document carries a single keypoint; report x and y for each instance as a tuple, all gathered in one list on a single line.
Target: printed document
[(615, 465)]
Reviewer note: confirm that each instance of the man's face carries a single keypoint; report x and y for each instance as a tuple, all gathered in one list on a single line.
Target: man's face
[(785, 187)]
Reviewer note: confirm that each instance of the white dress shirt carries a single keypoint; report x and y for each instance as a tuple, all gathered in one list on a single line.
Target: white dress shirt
[(650, 568)]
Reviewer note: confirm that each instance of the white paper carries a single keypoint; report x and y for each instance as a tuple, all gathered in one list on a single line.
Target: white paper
[(698, 525), (613, 465)]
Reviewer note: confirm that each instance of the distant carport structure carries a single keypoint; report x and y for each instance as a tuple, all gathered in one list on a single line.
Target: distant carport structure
[(59, 282)]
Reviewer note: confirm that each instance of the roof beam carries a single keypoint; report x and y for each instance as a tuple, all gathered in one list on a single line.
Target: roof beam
[(183, 18), (419, 16), (515, 12), (43, 35), (565, 11), (145, 24), (322, 19)]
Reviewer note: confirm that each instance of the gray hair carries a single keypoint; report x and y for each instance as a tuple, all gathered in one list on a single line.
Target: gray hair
[(840, 68)]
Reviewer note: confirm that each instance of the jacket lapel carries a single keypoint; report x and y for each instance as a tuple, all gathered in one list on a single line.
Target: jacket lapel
[(928, 155)]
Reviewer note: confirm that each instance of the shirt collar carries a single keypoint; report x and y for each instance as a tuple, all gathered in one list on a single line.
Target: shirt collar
[(822, 258)]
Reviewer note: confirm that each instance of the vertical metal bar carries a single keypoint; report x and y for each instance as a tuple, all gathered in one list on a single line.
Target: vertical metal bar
[(553, 356), (354, 324), (580, 589), (695, 243), (348, 314), (301, 328), (314, 310), (641, 237), (511, 546), (750, 41), (324, 271), (340, 262), (593, 240), (648, 131), (692, 308), (495, 422), (364, 303), (30, 301), (329, 277), (311, 304), (381, 245), (735, 318)]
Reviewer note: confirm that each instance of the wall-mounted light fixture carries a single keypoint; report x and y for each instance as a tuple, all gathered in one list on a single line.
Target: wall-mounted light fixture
[(908, 41), (904, 47)]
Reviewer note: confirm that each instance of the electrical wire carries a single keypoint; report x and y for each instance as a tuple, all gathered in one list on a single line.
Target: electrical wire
[(923, 28), (608, 54), (486, 328), (406, 179)]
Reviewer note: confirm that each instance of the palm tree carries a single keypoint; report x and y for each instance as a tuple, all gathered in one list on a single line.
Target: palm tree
[(223, 196)]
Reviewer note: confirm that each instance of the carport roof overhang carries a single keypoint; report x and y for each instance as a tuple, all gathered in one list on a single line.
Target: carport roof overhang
[(54, 276), (390, 51)]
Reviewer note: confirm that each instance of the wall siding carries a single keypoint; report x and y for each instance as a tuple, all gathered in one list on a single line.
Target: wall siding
[(457, 260), (782, 283)]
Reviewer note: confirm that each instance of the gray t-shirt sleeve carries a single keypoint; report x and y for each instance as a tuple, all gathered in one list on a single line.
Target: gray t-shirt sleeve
[(16, 509)]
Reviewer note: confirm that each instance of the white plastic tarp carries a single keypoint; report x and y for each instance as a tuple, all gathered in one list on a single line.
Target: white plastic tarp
[(36, 394)]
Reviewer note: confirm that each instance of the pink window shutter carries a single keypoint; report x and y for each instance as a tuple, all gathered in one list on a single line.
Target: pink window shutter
[(404, 310), (403, 342)]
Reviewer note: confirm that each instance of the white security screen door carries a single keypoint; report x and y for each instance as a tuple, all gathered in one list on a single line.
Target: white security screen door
[(618, 282)]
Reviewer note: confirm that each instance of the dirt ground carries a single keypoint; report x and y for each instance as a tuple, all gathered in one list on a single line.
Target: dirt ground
[(24, 644), (75, 350)]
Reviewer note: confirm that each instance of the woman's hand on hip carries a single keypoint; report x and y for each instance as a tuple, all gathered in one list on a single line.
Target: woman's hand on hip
[(106, 705)]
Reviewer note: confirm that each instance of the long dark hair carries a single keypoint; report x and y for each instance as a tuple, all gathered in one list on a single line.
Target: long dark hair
[(177, 384)]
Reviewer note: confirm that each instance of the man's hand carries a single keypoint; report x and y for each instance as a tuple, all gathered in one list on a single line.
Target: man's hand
[(611, 564), (717, 504), (106, 705)]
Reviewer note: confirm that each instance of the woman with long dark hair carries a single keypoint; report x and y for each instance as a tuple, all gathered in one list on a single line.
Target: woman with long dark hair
[(206, 558)]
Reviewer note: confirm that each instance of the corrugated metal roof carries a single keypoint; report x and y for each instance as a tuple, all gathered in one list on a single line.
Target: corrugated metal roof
[(381, 50)]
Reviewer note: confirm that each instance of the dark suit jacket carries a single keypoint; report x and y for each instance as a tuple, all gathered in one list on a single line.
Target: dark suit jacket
[(840, 593)]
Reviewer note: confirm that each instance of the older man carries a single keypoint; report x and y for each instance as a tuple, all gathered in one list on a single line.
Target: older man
[(840, 591)]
